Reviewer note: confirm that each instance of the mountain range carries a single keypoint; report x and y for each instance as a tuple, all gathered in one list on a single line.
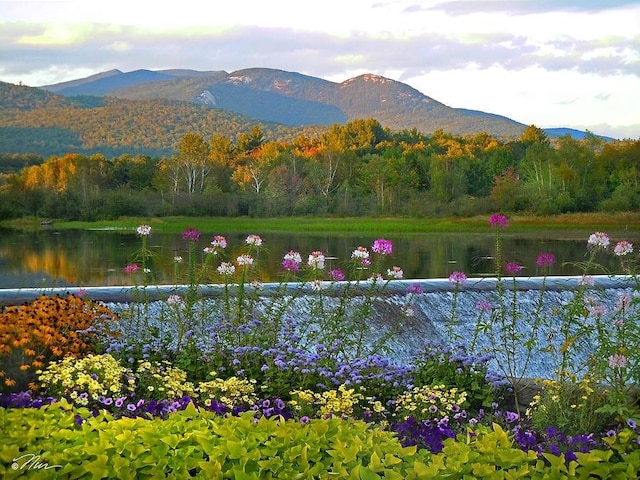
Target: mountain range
[(294, 99), (146, 111)]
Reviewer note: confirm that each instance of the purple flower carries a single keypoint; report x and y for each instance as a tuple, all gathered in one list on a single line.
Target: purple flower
[(598, 239), (415, 289), (336, 275), (483, 305), (632, 423), (191, 234), (512, 268), (304, 420), (458, 278), (290, 265), (545, 259), (498, 220), (382, 246)]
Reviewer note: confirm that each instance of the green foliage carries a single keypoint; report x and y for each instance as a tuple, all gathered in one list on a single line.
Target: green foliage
[(199, 444)]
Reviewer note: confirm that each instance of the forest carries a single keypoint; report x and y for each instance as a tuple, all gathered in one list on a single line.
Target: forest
[(354, 169)]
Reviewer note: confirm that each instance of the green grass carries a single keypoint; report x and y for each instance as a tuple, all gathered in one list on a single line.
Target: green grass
[(334, 225)]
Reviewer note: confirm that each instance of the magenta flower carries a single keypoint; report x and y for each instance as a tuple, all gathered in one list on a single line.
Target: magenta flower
[(512, 268), (458, 278), (498, 220), (415, 289), (290, 265), (191, 234), (336, 275), (382, 246), (545, 259), (131, 268)]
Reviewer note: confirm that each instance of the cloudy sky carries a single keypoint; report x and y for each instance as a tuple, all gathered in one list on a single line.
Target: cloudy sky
[(570, 63)]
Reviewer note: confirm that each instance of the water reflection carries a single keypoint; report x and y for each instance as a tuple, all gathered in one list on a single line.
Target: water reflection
[(51, 258)]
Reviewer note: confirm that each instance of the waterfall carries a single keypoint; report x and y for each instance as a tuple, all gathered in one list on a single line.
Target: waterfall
[(430, 311)]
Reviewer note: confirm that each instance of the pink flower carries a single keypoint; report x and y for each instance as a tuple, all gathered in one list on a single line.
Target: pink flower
[(336, 275), (191, 234), (415, 289), (395, 273), (617, 360), (458, 278), (623, 248), (498, 220), (545, 259), (133, 267), (382, 246), (81, 292), (219, 242), (598, 239), (254, 240), (512, 268)]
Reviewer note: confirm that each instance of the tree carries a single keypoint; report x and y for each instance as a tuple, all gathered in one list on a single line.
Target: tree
[(193, 153)]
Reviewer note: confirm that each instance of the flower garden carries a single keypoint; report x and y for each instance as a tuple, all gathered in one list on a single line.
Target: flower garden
[(237, 387)]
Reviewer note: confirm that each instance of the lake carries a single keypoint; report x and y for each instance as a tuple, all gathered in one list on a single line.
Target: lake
[(58, 258)]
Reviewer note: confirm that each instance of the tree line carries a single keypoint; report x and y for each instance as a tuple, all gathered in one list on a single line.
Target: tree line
[(353, 169)]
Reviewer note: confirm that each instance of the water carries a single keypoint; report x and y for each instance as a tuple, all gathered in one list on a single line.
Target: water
[(58, 258)]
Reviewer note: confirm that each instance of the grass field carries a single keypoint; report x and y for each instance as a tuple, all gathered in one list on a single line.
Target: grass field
[(518, 223)]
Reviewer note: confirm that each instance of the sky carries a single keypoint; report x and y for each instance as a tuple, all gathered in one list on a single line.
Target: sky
[(548, 63)]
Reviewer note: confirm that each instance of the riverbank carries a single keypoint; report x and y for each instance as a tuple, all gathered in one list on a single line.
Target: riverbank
[(628, 221)]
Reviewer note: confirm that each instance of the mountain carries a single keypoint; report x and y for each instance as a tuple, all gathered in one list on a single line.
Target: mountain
[(148, 112), (295, 99)]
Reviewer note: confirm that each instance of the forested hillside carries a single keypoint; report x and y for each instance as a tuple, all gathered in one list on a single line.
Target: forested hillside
[(33, 121), (358, 168)]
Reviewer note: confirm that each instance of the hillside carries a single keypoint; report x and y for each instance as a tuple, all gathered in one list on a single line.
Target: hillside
[(39, 122)]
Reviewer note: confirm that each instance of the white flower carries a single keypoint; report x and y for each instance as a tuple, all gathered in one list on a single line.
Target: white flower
[(623, 248), (143, 230), (292, 255), (316, 285), (177, 259), (226, 268), (599, 239), (174, 299), (360, 252), (254, 240), (395, 273), (316, 260), (245, 259)]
